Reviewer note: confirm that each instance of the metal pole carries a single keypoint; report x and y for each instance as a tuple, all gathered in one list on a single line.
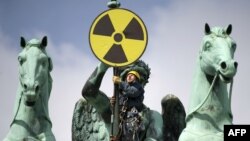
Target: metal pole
[(115, 110)]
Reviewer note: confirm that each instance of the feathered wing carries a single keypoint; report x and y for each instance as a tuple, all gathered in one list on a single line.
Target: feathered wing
[(87, 124), (173, 114)]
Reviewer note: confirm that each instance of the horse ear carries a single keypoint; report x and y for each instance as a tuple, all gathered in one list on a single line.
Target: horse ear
[(44, 42), (22, 42), (207, 29), (229, 29)]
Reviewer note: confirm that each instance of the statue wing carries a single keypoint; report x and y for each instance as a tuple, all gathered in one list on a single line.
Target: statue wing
[(87, 124), (173, 114)]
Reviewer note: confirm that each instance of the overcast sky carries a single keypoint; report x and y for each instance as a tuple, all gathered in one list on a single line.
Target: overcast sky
[(175, 29)]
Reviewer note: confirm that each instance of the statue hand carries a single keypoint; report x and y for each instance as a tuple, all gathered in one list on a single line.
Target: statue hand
[(97, 75), (103, 67)]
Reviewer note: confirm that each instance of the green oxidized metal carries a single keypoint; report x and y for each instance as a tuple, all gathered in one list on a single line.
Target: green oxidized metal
[(86, 128), (210, 105), (31, 120)]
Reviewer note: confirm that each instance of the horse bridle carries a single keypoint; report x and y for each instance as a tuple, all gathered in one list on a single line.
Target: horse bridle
[(209, 93)]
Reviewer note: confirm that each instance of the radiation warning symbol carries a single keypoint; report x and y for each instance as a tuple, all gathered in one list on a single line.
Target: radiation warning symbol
[(118, 37)]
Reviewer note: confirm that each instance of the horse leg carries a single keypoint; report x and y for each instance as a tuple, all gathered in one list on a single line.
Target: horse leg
[(16, 133)]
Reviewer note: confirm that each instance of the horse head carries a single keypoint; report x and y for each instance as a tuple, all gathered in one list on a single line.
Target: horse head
[(34, 68), (210, 102), (217, 53)]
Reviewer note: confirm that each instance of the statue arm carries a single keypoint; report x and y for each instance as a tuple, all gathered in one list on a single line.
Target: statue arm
[(90, 89), (94, 96)]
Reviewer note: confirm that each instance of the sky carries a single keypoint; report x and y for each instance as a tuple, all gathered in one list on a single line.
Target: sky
[(175, 30)]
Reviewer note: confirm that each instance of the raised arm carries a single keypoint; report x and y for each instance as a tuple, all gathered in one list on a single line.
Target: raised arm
[(94, 96)]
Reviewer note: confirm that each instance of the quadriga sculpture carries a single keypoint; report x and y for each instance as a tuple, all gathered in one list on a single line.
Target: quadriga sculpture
[(31, 116), (210, 102), (92, 115)]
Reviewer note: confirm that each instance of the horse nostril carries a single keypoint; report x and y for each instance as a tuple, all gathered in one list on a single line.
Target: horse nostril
[(25, 86), (223, 65), (37, 88), (235, 65)]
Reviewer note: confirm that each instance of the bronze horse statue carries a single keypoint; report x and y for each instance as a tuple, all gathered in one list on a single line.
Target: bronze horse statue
[(31, 120), (210, 105)]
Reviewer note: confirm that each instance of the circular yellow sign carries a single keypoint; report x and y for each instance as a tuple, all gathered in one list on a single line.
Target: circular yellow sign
[(118, 37)]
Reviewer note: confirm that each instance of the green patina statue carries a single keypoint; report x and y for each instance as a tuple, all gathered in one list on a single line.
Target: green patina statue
[(210, 105), (92, 115), (31, 120)]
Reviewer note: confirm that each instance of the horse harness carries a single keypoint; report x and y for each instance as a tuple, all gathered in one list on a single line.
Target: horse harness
[(209, 93)]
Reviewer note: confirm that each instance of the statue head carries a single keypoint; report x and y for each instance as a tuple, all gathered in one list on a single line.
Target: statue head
[(217, 53), (34, 68)]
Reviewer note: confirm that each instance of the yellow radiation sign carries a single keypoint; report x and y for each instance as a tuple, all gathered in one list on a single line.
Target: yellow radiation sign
[(118, 37)]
